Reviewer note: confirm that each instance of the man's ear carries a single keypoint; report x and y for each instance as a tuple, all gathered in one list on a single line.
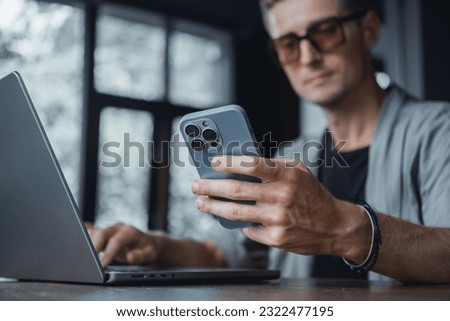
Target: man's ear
[(371, 26)]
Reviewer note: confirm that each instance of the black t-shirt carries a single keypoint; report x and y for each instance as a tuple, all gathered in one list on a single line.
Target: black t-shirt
[(344, 175)]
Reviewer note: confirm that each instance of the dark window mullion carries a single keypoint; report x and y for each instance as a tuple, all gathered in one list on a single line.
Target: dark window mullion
[(163, 111), (159, 184), (168, 36), (144, 105), (91, 119)]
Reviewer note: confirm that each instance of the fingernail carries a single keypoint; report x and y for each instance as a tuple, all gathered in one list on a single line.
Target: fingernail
[(199, 203)]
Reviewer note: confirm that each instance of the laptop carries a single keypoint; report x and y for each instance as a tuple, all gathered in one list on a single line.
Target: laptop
[(42, 235)]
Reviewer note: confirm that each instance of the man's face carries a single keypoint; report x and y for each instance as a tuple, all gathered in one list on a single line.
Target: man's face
[(323, 78)]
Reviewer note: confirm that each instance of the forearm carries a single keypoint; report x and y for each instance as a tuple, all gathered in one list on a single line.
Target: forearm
[(408, 253), (413, 253)]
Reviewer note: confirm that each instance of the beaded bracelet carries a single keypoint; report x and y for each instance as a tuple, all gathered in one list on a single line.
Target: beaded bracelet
[(371, 258)]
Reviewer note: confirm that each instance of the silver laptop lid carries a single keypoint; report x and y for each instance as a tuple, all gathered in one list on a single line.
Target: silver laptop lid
[(42, 236)]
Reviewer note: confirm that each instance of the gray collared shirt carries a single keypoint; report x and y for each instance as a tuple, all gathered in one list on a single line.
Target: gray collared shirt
[(408, 173)]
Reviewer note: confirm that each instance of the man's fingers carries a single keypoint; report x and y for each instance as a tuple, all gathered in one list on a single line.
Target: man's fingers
[(231, 189), (271, 236), (235, 211), (291, 163), (100, 237), (263, 168), (112, 250), (118, 243), (256, 233), (144, 255)]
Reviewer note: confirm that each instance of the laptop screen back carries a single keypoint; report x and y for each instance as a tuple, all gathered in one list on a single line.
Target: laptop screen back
[(42, 236)]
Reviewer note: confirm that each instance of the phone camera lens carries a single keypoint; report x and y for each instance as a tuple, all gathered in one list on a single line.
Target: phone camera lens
[(209, 135), (198, 145), (192, 130)]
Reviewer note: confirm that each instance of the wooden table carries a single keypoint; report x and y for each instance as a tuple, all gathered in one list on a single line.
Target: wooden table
[(283, 289)]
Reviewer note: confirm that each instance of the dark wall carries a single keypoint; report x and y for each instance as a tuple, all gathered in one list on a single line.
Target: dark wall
[(264, 91), (234, 14), (436, 41)]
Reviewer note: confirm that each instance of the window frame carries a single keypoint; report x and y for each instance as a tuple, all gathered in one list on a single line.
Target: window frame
[(163, 112)]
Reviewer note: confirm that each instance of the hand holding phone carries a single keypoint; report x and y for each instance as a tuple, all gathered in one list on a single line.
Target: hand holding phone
[(216, 132)]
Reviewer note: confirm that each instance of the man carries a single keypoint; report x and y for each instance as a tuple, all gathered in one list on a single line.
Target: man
[(397, 149)]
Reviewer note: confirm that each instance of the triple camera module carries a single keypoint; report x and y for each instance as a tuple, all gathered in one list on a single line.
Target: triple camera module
[(204, 135)]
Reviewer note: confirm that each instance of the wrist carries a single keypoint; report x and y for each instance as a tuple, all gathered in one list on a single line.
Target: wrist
[(355, 238), (369, 262)]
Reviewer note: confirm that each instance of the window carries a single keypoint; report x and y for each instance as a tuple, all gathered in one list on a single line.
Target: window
[(148, 70), (124, 167), (44, 43), (200, 66), (169, 67), (129, 56)]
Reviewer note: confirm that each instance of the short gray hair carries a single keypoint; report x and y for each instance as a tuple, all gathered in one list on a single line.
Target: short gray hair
[(350, 5)]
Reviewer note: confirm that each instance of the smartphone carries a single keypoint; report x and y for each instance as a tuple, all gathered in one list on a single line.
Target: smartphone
[(215, 132)]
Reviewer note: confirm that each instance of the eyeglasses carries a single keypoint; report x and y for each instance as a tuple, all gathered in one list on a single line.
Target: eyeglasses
[(324, 35)]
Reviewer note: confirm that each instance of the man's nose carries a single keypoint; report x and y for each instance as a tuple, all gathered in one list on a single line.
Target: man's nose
[(308, 53)]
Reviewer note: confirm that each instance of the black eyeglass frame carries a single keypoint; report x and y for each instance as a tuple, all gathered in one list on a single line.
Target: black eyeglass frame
[(340, 21)]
